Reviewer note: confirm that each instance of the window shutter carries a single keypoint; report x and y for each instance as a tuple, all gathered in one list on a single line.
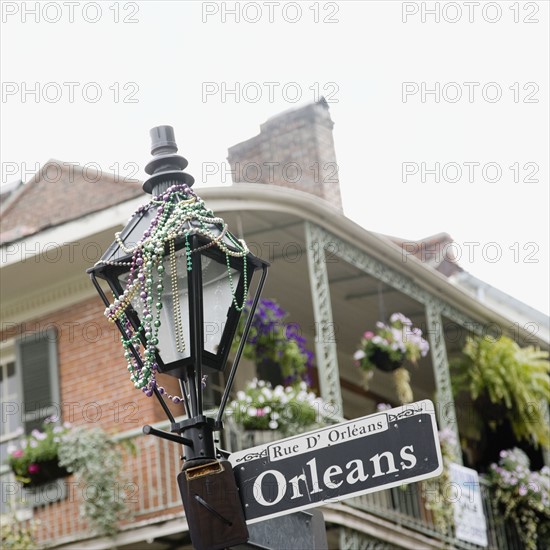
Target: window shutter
[(36, 355)]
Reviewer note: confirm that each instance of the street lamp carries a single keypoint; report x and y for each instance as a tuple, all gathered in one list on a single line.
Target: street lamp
[(180, 281)]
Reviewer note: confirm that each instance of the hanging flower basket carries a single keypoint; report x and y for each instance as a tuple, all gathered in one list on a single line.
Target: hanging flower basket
[(387, 349), (35, 460), (275, 345), (269, 369), (381, 360), (391, 344), (41, 473)]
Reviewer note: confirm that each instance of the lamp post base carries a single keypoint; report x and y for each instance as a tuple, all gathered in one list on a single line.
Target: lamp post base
[(212, 505)]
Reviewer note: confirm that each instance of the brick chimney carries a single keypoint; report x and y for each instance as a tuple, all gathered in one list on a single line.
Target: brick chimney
[(294, 149)]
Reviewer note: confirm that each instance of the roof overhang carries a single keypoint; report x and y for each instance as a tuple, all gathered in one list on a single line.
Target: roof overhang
[(272, 202)]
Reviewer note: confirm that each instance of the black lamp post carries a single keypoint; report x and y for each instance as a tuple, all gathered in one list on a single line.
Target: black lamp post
[(180, 281)]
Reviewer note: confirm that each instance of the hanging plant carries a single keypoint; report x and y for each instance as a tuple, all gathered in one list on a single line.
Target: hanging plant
[(274, 345), (506, 382), (96, 462), (35, 461), (177, 213), (523, 497), (388, 347)]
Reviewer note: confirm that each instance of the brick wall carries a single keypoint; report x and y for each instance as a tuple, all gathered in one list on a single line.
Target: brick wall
[(294, 149), (95, 390)]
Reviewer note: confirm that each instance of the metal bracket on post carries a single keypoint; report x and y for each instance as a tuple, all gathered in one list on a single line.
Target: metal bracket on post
[(149, 430)]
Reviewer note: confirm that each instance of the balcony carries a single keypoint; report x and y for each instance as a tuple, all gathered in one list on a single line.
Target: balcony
[(396, 517), (148, 487)]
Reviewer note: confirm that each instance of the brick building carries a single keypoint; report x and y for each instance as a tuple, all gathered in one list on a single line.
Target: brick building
[(59, 356)]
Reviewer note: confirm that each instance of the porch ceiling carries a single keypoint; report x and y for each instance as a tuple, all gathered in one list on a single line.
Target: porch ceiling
[(358, 300)]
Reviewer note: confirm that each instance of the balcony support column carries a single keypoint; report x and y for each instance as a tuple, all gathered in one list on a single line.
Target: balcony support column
[(446, 412), (325, 333)]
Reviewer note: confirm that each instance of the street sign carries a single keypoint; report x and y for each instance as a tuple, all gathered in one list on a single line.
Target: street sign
[(349, 459)]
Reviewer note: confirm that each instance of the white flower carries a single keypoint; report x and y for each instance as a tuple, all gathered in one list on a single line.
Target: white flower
[(359, 354), (38, 435), (397, 334), (400, 317)]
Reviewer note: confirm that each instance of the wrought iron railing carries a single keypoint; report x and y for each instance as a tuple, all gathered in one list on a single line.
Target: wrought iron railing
[(149, 489), (405, 506), (147, 486)]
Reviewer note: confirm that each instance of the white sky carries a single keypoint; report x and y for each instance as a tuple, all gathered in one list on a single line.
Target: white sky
[(358, 54)]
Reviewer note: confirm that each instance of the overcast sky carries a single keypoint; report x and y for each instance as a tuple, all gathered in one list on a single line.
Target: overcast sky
[(441, 117)]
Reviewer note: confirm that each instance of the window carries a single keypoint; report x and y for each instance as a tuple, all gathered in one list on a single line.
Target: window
[(29, 391), (36, 360), (10, 427)]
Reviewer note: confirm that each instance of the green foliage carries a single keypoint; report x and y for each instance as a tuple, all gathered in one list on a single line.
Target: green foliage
[(505, 374), (96, 461), (523, 496)]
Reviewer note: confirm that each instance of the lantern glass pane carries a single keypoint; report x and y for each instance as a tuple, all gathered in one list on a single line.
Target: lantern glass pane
[(217, 300), (174, 321)]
